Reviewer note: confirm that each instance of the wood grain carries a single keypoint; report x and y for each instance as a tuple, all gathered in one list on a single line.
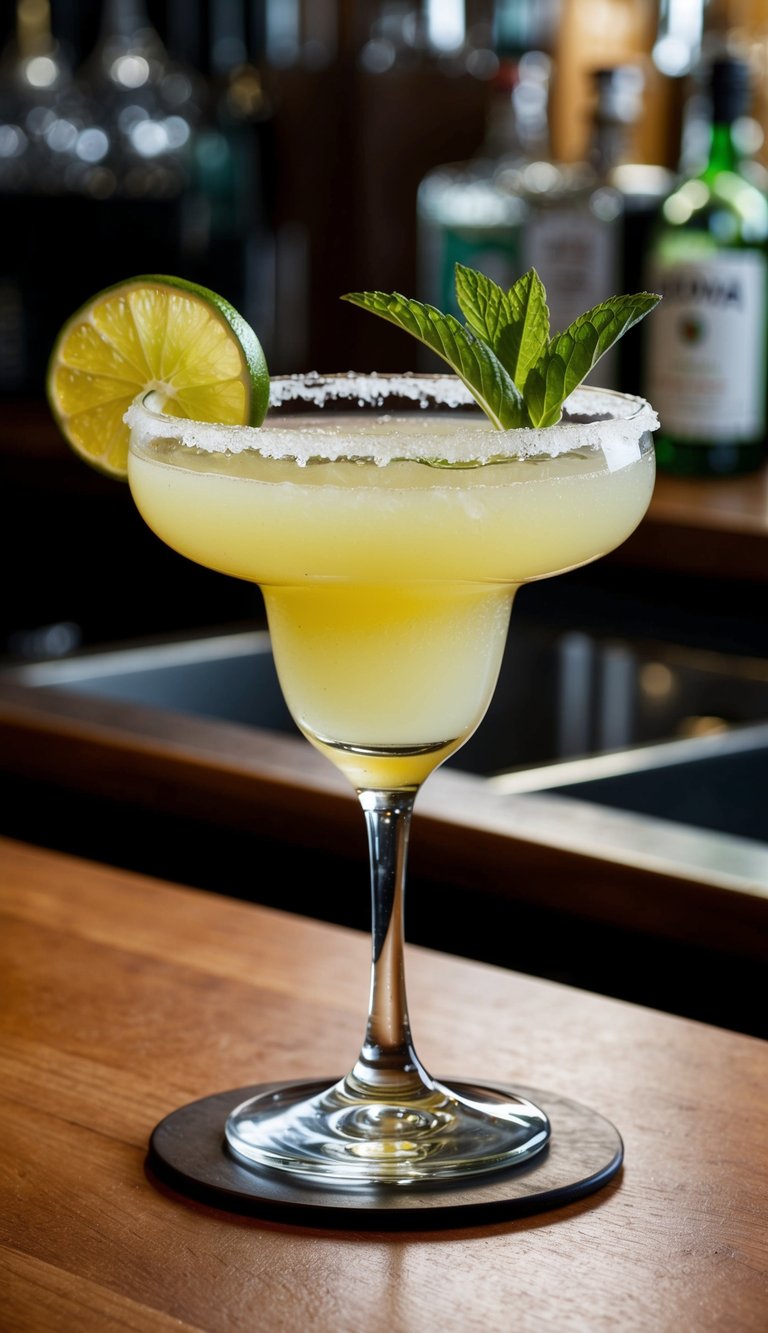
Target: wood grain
[(124, 997)]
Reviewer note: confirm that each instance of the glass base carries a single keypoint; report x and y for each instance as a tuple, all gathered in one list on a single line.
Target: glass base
[(336, 1134)]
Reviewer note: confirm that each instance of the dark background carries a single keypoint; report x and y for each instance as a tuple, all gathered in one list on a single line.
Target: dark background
[(336, 156)]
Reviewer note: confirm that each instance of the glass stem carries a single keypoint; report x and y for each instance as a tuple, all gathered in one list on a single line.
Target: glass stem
[(388, 1064)]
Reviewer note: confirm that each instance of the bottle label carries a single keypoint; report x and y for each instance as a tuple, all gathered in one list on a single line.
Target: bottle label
[(706, 347), (577, 258)]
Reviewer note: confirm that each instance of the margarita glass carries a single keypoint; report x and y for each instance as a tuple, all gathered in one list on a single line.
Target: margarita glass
[(389, 526)]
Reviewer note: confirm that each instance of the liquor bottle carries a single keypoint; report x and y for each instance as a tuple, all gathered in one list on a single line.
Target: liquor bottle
[(705, 369), (143, 105), (514, 207), (36, 91), (229, 242), (463, 215), (136, 163), (41, 118), (634, 190), (573, 228)]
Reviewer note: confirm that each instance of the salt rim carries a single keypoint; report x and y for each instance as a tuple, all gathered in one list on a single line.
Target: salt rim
[(618, 420)]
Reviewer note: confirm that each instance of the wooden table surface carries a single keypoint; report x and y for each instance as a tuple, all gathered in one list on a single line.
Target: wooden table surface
[(124, 998)]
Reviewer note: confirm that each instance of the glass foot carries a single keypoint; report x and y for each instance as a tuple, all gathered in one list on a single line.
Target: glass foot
[(436, 1133)]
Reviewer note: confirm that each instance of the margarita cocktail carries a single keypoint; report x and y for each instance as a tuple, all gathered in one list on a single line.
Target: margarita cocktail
[(389, 526)]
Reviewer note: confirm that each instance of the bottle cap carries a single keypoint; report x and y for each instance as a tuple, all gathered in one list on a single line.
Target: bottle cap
[(730, 86)]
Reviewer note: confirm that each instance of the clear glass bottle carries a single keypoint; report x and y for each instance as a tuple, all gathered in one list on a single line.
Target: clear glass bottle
[(41, 119), (573, 229), (230, 210), (513, 207), (126, 207), (705, 355), (144, 109), (463, 214), (36, 93)]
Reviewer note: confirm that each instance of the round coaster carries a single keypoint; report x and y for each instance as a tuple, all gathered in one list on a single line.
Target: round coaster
[(187, 1152)]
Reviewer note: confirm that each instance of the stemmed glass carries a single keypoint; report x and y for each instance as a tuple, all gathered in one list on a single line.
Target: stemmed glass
[(389, 527)]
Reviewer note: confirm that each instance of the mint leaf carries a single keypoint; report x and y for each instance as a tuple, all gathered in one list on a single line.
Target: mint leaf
[(515, 323), (470, 357), (518, 374), (483, 303), (572, 354), (523, 342)]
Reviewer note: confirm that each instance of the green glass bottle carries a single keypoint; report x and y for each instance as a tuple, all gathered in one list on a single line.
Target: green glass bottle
[(705, 357)]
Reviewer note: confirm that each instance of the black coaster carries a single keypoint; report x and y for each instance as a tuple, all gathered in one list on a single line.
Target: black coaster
[(188, 1153)]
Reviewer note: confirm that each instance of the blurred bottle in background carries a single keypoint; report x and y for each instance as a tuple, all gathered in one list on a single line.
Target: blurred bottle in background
[(42, 115), (40, 105), (514, 206), (574, 212), (228, 234), (144, 107), (136, 154), (465, 213), (632, 191), (708, 256)]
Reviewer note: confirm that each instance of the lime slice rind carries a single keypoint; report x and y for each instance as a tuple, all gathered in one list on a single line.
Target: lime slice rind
[(160, 333)]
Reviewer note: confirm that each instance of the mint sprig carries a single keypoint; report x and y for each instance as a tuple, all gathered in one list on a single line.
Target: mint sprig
[(519, 373), (471, 358)]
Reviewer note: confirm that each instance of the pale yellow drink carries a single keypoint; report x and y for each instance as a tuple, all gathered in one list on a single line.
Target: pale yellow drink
[(388, 588)]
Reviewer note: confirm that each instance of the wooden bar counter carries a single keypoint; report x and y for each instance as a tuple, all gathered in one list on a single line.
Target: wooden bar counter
[(124, 997)]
